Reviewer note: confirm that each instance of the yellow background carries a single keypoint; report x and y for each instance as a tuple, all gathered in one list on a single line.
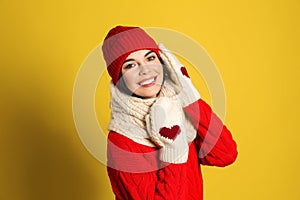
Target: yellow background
[(255, 45)]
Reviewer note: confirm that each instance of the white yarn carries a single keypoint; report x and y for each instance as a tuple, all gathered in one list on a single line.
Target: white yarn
[(128, 115)]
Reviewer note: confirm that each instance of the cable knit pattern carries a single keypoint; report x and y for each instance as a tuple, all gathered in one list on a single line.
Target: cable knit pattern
[(173, 181)]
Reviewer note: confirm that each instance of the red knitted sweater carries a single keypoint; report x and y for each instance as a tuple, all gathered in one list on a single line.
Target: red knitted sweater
[(136, 173)]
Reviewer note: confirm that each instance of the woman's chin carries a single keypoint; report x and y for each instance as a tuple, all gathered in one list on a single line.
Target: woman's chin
[(148, 92)]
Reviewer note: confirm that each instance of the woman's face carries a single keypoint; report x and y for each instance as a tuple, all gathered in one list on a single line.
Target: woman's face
[(143, 73)]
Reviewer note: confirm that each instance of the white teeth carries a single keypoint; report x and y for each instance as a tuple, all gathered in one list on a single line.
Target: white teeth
[(147, 81)]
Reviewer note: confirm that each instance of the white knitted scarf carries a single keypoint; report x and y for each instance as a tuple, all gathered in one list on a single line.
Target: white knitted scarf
[(128, 114)]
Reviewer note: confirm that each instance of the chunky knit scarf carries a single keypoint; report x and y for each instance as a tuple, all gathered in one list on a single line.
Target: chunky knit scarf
[(128, 114)]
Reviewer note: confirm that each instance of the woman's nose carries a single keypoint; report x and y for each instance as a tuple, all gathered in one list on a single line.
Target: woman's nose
[(144, 69)]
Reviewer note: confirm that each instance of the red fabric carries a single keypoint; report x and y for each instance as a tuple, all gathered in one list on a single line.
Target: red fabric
[(214, 143), (136, 173)]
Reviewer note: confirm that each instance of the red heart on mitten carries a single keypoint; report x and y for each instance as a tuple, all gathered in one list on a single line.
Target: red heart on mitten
[(184, 72), (170, 133)]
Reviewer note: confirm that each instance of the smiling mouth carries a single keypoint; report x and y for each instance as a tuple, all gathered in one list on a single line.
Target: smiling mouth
[(148, 82)]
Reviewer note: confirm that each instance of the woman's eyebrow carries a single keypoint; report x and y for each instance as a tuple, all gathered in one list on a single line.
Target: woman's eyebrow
[(131, 59), (148, 53), (128, 60)]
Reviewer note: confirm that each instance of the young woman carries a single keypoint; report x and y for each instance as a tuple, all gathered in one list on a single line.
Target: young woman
[(161, 131)]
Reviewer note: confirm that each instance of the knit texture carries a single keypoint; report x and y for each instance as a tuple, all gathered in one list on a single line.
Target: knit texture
[(188, 94), (129, 160), (128, 115), (170, 181), (167, 128)]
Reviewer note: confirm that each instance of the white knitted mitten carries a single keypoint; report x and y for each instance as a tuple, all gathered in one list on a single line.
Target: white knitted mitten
[(165, 127), (189, 93)]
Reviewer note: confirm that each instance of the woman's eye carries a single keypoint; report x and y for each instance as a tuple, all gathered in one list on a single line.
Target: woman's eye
[(129, 66), (150, 58)]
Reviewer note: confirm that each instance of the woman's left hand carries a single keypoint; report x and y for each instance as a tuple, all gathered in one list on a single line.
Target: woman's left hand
[(188, 94)]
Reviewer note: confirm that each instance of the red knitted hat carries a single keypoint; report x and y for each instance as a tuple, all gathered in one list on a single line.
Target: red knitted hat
[(122, 41)]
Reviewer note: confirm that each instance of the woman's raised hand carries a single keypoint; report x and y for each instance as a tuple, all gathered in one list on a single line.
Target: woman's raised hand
[(188, 93)]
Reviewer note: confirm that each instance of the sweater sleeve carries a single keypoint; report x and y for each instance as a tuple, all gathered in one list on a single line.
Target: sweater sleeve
[(214, 141), (135, 173)]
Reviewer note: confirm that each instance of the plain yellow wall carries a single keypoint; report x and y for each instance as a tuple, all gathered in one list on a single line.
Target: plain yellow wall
[(255, 45)]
